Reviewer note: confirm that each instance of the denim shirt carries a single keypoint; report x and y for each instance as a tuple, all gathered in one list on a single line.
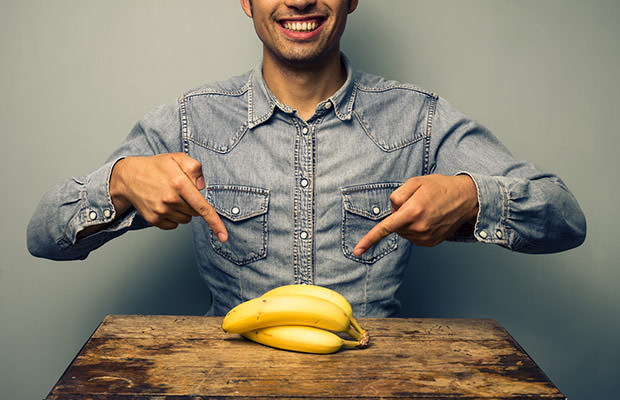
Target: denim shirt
[(297, 195)]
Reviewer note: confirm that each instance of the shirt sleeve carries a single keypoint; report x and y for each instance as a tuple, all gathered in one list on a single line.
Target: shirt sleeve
[(521, 207), (79, 202)]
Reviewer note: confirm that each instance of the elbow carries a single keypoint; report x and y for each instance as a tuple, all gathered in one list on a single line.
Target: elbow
[(577, 228), (570, 233), (34, 241), (40, 243)]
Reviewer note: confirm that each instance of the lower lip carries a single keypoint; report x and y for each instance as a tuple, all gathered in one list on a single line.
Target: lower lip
[(294, 35)]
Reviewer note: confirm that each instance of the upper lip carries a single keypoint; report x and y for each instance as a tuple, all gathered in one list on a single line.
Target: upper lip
[(301, 18)]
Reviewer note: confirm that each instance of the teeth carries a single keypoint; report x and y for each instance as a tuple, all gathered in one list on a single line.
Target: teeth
[(301, 26)]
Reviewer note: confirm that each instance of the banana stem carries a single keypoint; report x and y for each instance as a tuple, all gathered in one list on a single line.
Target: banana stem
[(351, 344), (362, 335), (358, 334), (351, 331), (357, 326)]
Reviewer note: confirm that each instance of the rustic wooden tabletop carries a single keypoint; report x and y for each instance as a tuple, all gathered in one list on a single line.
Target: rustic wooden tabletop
[(180, 357)]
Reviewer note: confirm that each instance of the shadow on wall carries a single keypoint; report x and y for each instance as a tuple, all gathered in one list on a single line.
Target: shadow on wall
[(477, 281), (162, 279)]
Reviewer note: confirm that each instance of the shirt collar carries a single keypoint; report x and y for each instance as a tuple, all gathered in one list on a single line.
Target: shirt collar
[(262, 102)]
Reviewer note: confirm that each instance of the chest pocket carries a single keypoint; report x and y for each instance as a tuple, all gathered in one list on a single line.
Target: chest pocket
[(244, 209), (363, 206)]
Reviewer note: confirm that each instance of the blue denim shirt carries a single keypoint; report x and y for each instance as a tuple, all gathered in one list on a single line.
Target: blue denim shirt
[(297, 195)]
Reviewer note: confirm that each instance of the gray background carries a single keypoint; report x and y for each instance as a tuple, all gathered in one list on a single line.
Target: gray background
[(77, 74)]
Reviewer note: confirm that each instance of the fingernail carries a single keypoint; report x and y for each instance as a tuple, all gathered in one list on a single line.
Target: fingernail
[(358, 251), (200, 182), (222, 236)]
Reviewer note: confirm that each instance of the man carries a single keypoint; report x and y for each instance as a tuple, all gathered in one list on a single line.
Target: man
[(303, 170)]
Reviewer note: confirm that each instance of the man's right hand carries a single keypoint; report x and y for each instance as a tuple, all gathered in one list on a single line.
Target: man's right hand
[(164, 189)]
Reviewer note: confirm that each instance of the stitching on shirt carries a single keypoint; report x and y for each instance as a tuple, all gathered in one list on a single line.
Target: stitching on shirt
[(259, 215), (212, 91), (348, 107), (313, 132), (384, 146), (391, 243), (377, 89), (505, 211), (183, 124), (222, 149), (390, 246), (296, 201), (429, 128), (252, 119)]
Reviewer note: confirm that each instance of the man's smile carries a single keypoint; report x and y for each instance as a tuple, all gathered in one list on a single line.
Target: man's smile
[(301, 25), (301, 28)]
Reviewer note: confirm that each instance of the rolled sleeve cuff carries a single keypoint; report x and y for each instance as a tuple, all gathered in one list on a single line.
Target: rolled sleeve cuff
[(97, 207), (492, 206)]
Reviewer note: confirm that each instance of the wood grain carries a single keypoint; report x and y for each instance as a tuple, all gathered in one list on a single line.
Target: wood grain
[(170, 357)]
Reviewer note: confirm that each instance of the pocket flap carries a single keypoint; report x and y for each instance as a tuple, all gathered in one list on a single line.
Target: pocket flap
[(371, 201), (238, 202)]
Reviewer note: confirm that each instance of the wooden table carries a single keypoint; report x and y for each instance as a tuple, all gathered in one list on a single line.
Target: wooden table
[(170, 357)]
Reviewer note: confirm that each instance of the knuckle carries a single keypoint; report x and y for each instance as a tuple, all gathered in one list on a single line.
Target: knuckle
[(424, 226), (159, 210), (153, 219), (168, 199), (194, 165), (396, 198), (416, 212), (177, 182)]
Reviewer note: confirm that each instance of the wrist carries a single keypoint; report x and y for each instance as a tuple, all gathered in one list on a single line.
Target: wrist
[(470, 196), (117, 188)]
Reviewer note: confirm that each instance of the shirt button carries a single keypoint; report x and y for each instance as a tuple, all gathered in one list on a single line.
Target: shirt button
[(235, 210), (328, 105), (376, 210), (92, 215), (304, 182), (107, 213), (483, 234), (303, 235), (499, 234), (304, 131)]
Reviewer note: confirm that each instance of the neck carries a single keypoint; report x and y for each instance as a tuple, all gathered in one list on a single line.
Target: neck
[(303, 87)]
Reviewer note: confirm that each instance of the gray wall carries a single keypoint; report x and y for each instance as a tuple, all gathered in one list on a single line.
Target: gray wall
[(543, 75)]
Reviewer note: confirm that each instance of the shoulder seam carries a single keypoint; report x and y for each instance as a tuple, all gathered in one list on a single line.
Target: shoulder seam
[(379, 89)]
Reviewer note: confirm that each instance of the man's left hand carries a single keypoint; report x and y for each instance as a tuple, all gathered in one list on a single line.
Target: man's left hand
[(426, 210)]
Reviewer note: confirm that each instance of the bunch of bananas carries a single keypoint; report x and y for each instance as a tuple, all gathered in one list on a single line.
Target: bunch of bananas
[(298, 318)]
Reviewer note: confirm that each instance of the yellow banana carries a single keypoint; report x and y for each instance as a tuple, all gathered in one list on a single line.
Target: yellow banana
[(304, 339), (324, 293), (287, 309)]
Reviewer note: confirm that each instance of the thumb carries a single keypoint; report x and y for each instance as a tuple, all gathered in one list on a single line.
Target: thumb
[(192, 168)]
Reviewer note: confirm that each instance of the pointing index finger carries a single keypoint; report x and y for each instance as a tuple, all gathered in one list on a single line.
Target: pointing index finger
[(198, 203), (387, 226)]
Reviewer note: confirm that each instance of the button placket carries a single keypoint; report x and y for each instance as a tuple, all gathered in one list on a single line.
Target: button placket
[(303, 254)]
